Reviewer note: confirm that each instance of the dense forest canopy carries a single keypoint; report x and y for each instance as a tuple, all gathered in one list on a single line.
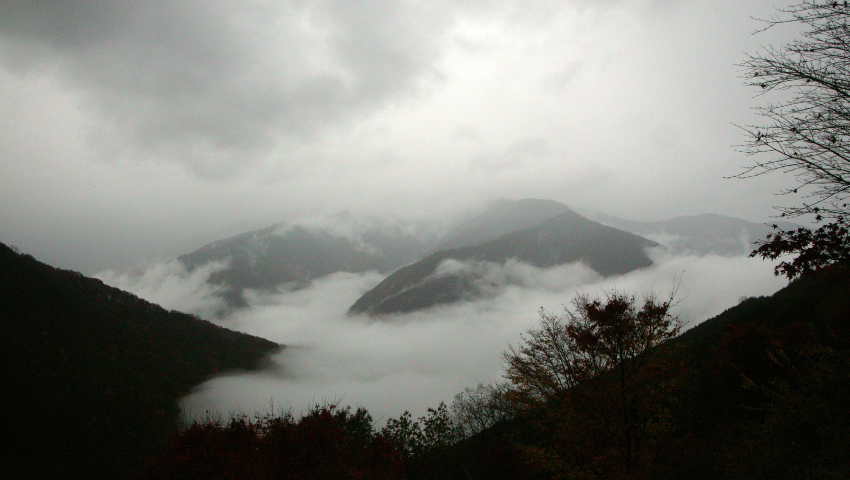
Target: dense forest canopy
[(96, 372)]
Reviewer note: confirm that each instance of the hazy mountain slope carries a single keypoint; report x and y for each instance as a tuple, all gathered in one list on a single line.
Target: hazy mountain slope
[(499, 218), (92, 374), (697, 234), (299, 253), (559, 240)]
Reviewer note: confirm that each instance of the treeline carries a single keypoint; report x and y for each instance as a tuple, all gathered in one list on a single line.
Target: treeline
[(326, 443), (757, 392)]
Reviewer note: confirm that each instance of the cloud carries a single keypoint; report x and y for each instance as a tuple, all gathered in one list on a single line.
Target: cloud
[(215, 84), (220, 86), (515, 158), (491, 278), (128, 129), (560, 80), (414, 361), (170, 286)]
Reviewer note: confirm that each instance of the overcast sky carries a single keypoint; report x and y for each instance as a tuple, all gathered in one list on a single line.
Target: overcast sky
[(134, 132)]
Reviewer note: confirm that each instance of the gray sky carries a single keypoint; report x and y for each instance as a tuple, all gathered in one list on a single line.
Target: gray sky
[(135, 132)]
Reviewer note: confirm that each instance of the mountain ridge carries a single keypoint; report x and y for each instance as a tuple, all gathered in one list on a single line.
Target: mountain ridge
[(499, 218), (292, 255), (556, 241), (96, 371), (701, 234), (296, 253)]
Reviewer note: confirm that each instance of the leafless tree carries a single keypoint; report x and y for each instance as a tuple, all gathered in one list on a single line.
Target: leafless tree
[(806, 131), (477, 409)]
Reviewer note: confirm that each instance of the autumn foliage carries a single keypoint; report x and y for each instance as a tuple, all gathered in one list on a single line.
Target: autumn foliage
[(823, 250), (326, 443), (598, 383)]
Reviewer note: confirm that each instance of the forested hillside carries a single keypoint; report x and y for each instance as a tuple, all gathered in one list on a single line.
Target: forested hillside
[(759, 391), (91, 374)]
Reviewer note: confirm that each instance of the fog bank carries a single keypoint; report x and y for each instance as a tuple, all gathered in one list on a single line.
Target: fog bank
[(413, 361)]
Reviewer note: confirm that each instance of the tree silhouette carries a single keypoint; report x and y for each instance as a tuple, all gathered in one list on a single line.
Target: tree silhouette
[(326, 443), (827, 246), (806, 132), (599, 371)]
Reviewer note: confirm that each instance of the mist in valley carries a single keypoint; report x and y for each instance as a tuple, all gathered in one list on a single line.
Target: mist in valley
[(413, 361)]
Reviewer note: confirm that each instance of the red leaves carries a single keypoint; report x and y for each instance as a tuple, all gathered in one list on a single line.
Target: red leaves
[(327, 443), (818, 250)]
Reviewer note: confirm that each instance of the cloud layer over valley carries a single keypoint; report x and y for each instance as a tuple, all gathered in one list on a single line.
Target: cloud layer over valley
[(413, 361)]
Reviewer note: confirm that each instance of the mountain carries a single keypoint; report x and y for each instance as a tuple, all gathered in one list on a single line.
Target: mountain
[(92, 374), (697, 234), (559, 240), (293, 254), (499, 218), (298, 253)]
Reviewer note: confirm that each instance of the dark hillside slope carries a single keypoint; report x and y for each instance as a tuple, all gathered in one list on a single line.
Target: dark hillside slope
[(769, 387), (763, 395), (557, 241), (804, 300), (91, 374)]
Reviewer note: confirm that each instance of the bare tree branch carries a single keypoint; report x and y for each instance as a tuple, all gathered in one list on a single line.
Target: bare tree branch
[(807, 134)]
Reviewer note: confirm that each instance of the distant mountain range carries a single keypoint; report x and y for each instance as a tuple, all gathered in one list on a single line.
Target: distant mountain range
[(499, 218), (295, 254), (704, 234), (562, 239), (292, 255)]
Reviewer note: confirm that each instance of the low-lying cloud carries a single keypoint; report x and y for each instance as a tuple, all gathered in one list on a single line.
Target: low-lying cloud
[(413, 361), (171, 286), (493, 278)]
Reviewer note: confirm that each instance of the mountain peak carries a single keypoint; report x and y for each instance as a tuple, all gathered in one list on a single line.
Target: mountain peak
[(500, 217), (558, 240)]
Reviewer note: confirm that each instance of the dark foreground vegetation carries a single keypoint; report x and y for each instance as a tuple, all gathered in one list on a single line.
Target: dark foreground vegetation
[(757, 392), (91, 375)]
